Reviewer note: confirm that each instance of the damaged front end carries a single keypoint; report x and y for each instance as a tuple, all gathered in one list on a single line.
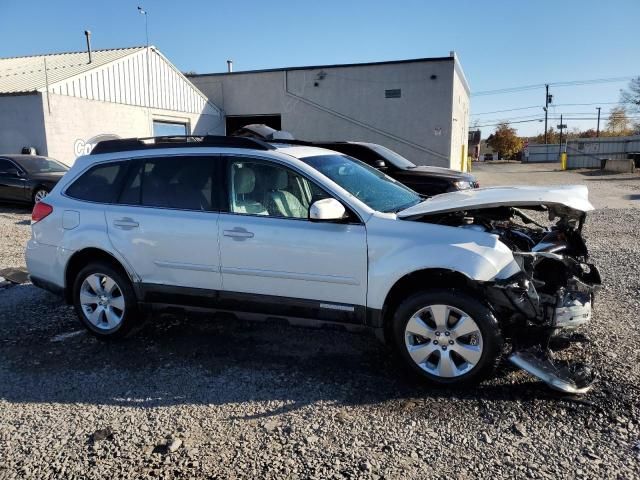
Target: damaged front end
[(551, 295)]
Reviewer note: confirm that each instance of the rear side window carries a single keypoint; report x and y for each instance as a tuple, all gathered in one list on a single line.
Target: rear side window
[(99, 184), (184, 183)]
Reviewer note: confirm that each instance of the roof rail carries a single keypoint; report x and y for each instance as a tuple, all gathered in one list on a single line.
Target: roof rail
[(291, 142), (179, 141)]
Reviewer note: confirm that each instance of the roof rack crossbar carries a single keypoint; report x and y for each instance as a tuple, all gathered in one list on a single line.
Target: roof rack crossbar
[(179, 141)]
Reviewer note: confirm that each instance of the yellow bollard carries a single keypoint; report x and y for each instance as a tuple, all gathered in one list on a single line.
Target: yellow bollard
[(464, 161), (563, 160)]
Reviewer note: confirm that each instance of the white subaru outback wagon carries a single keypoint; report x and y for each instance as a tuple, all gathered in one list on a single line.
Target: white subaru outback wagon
[(303, 233)]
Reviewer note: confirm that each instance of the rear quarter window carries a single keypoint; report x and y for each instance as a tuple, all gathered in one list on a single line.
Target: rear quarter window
[(99, 184)]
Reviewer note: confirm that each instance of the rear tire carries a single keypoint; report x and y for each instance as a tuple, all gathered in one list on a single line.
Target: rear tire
[(447, 337), (104, 301), (39, 194)]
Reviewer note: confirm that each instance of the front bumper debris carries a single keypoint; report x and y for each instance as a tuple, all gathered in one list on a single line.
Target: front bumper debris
[(573, 310), (532, 318), (571, 378)]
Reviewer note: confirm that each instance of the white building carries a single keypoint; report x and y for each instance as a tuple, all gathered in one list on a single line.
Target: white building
[(61, 104), (420, 108)]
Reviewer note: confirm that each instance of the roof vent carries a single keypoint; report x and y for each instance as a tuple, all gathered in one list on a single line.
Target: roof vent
[(87, 34), (393, 93)]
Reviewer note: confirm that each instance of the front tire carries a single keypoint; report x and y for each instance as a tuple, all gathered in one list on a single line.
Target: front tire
[(447, 337), (104, 301)]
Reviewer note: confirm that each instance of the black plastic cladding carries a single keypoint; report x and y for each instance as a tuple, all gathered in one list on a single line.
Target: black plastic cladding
[(186, 141)]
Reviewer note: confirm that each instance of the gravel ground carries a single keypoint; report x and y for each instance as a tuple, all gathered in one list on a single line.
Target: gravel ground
[(215, 398), (14, 232)]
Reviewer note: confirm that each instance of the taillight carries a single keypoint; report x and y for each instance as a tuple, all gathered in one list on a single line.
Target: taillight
[(40, 211)]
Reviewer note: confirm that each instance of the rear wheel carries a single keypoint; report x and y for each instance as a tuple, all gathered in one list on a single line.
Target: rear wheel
[(447, 337), (104, 301)]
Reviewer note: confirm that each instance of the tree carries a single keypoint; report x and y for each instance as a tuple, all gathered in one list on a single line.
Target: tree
[(589, 133), (552, 137), (505, 141), (631, 95), (618, 122)]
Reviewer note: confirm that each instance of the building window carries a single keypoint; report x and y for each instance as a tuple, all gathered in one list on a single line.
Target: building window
[(164, 129), (393, 93)]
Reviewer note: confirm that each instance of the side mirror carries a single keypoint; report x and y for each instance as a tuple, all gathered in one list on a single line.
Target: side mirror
[(327, 210), (380, 164)]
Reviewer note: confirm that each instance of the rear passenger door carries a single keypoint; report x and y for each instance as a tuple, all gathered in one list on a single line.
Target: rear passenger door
[(165, 224), (12, 184)]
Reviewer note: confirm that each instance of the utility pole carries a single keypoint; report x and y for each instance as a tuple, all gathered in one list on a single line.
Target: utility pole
[(598, 125), (546, 111), (561, 127)]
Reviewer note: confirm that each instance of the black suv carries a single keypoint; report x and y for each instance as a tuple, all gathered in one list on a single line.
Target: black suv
[(425, 180), (28, 178)]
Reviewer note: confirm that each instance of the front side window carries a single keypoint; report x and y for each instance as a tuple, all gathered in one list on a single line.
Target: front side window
[(370, 186), (184, 183), (99, 184), (259, 188)]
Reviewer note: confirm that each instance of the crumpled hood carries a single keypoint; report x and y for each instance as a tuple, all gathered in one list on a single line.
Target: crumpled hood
[(569, 200)]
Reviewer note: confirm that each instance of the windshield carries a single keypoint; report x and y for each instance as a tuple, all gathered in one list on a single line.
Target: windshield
[(367, 184), (392, 157), (41, 165)]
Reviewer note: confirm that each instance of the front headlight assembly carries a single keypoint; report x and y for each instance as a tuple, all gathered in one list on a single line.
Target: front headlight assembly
[(463, 185)]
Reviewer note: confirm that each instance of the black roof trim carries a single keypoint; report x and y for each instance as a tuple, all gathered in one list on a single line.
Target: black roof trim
[(179, 141), (304, 143), (317, 67)]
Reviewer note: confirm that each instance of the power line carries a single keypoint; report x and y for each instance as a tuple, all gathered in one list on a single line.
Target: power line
[(552, 114), (553, 105), (509, 119), (587, 104), (541, 119), (507, 110), (500, 123), (555, 84)]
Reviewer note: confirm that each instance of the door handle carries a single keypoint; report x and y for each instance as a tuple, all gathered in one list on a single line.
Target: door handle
[(125, 223), (238, 233)]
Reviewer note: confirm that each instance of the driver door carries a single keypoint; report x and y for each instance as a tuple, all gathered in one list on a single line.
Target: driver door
[(274, 259)]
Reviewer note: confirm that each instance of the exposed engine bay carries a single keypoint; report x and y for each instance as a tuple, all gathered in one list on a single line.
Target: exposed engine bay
[(553, 293)]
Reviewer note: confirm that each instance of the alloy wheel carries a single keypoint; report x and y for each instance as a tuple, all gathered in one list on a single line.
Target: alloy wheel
[(443, 341), (102, 301), (39, 195)]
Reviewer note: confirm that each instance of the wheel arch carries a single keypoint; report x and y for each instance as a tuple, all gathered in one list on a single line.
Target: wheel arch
[(421, 280), (81, 258)]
